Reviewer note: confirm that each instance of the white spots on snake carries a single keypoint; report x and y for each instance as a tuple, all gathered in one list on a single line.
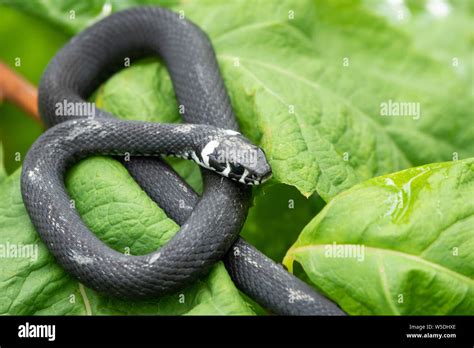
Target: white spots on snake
[(246, 256), (244, 175), (34, 174), (231, 132), (89, 126), (184, 155), (50, 211), (252, 262), (130, 266), (226, 171), (185, 128), (183, 187), (207, 150), (52, 221), (203, 78), (154, 257), (295, 295), (195, 158), (81, 259), (59, 227), (186, 207)]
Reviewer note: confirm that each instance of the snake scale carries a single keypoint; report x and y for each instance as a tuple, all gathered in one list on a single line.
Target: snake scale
[(209, 137)]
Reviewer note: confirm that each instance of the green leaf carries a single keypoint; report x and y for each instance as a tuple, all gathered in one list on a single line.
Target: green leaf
[(427, 22), (77, 15), (396, 244), (122, 215), (393, 66)]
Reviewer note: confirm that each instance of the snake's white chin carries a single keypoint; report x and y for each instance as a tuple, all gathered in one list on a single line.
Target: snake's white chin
[(251, 182)]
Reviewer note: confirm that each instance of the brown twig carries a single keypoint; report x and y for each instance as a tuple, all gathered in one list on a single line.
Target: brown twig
[(18, 91)]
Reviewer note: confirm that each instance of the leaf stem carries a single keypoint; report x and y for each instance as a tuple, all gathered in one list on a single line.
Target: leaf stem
[(19, 91)]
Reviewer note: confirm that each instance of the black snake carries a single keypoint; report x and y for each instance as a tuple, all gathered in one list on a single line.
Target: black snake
[(211, 231)]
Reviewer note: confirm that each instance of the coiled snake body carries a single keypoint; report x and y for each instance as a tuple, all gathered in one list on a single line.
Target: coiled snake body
[(210, 232)]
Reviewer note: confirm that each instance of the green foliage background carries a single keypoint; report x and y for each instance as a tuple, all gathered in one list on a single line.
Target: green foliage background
[(319, 122)]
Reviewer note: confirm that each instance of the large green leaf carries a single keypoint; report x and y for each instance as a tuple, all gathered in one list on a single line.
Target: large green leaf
[(396, 244), (122, 215), (76, 15), (392, 65)]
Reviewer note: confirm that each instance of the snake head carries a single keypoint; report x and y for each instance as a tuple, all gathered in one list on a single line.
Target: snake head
[(235, 157)]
